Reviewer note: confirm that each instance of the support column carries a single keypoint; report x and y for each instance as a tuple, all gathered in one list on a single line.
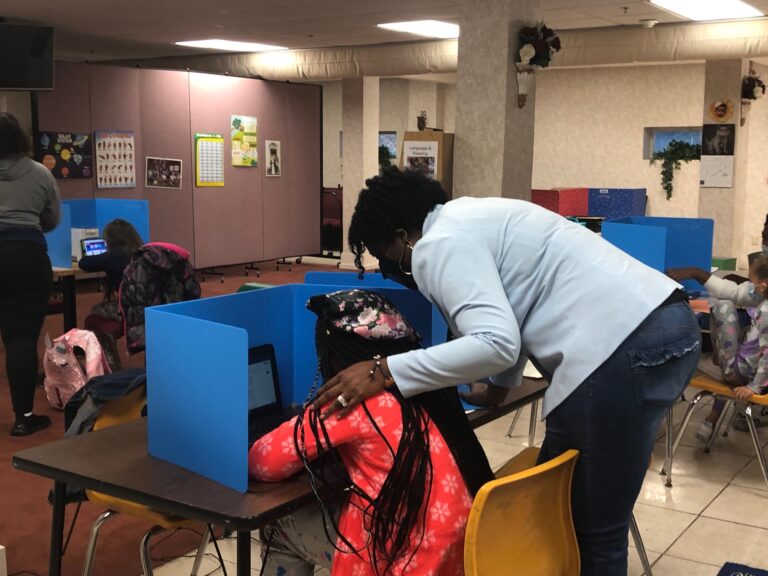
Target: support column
[(726, 205), (493, 153), (360, 127)]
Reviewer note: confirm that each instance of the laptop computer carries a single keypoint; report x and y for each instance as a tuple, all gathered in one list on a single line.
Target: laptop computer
[(265, 409), (93, 246)]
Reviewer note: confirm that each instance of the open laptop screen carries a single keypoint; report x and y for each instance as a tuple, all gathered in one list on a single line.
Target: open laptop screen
[(263, 385), (93, 246)]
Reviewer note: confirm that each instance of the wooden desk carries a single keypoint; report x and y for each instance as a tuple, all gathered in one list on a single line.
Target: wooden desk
[(67, 277), (115, 461)]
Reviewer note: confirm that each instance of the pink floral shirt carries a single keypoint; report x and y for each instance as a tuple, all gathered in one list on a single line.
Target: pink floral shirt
[(368, 461)]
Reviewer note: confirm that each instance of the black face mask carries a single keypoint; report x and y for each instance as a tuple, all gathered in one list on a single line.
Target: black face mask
[(391, 269)]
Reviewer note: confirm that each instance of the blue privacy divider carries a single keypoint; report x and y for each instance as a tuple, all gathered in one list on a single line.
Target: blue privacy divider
[(60, 240), (97, 212), (645, 243), (688, 242), (197, 369)]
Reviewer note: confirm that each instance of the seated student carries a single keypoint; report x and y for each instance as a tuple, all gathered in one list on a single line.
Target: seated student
[(122, 242), (414, 464), (741, 353)]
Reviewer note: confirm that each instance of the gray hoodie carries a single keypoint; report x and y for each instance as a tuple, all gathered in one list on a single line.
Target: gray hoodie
[(29, 197)]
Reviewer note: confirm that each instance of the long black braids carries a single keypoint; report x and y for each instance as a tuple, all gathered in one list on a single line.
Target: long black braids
[(393, 201), (396, 517)]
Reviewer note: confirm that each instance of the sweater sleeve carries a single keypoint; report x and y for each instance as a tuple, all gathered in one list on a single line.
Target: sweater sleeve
[(739, 294), (460, 276), (51, 214), (273, 457)]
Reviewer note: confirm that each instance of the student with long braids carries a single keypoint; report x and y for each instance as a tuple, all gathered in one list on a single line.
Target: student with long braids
[(414, 465)]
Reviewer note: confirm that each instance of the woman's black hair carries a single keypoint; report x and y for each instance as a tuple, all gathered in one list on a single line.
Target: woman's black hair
[(397, 514), (390, 202), (14, 142), (396, 517)]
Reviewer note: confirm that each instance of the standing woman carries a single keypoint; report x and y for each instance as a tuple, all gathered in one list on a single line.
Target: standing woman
[(616, 340), (29, 206)]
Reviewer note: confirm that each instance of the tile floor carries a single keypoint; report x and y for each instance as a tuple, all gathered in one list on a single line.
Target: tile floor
[(717, 510)]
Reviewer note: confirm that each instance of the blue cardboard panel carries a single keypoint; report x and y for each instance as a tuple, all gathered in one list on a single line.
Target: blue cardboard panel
[(60, 240), (645, 243), (83, 213), (97, 212), (197, 396), (134, 211), (197, 369), (617, 202), (688, 241)]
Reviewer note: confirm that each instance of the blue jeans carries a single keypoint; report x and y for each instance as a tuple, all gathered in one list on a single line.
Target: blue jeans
[(612, 419)]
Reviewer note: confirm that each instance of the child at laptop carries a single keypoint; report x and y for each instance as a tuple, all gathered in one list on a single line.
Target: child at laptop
[(414, 464), (104, 319), (742, 354)]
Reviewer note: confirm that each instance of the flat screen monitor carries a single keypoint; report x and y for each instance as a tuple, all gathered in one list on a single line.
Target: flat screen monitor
[(26, 57)]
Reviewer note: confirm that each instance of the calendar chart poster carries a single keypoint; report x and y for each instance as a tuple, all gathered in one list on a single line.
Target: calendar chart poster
[(209, 160), (115, 159), (245, 141)]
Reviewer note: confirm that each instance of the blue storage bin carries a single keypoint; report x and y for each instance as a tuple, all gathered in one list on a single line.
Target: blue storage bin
[(617, 202)]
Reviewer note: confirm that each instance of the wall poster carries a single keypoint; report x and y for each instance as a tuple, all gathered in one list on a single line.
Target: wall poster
[(115, 159), (65, 154), (274, 160), (245, 141), (209, 160), (163, 173), (421, 155)]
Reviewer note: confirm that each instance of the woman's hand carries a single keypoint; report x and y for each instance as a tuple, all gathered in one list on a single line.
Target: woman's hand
[(484, 394), (688, 273), (349, 388), (743, 393)]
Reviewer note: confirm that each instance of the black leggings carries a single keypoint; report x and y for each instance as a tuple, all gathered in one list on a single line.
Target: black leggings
[(25, 287)]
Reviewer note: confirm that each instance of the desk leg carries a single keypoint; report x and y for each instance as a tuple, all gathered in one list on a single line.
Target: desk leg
[(243, 554), (57, 528), (70, 303)]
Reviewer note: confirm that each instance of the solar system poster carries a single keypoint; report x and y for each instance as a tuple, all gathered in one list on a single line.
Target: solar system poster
[(66, 155)]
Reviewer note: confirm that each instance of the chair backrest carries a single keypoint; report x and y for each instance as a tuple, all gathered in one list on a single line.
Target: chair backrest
[(122, 410), (753, 256), (522, 524)]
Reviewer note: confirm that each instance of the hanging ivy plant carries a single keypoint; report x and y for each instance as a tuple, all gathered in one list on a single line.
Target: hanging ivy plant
[(671, 158)]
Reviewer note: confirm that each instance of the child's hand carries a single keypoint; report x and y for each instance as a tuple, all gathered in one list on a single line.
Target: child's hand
[(743, 393)]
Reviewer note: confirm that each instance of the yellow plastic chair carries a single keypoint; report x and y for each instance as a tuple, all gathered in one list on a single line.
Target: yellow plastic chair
[(709, 386), (538, 500), (526, 461), (120, 411)]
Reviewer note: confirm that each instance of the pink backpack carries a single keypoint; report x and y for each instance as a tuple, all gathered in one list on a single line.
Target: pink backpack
[(64, 374)]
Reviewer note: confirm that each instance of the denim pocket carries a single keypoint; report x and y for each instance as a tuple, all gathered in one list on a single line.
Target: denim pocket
[(661, 373)]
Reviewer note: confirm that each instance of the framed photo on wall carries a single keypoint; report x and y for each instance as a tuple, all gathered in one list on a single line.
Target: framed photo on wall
[(163, 173), (274, 159)]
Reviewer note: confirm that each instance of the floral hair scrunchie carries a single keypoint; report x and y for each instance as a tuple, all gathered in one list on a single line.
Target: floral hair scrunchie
[(363, 313)]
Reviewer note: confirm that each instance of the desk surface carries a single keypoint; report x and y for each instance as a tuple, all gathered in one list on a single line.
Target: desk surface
[(72, 271), (115, 461)]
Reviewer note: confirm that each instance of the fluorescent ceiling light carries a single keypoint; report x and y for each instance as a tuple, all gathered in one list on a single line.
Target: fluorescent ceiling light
[(426, 28), (230, 45), (700, 10)]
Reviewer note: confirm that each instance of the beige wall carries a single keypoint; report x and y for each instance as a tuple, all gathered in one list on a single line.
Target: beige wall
[(393, 108), (18, 104), (589, 129)]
